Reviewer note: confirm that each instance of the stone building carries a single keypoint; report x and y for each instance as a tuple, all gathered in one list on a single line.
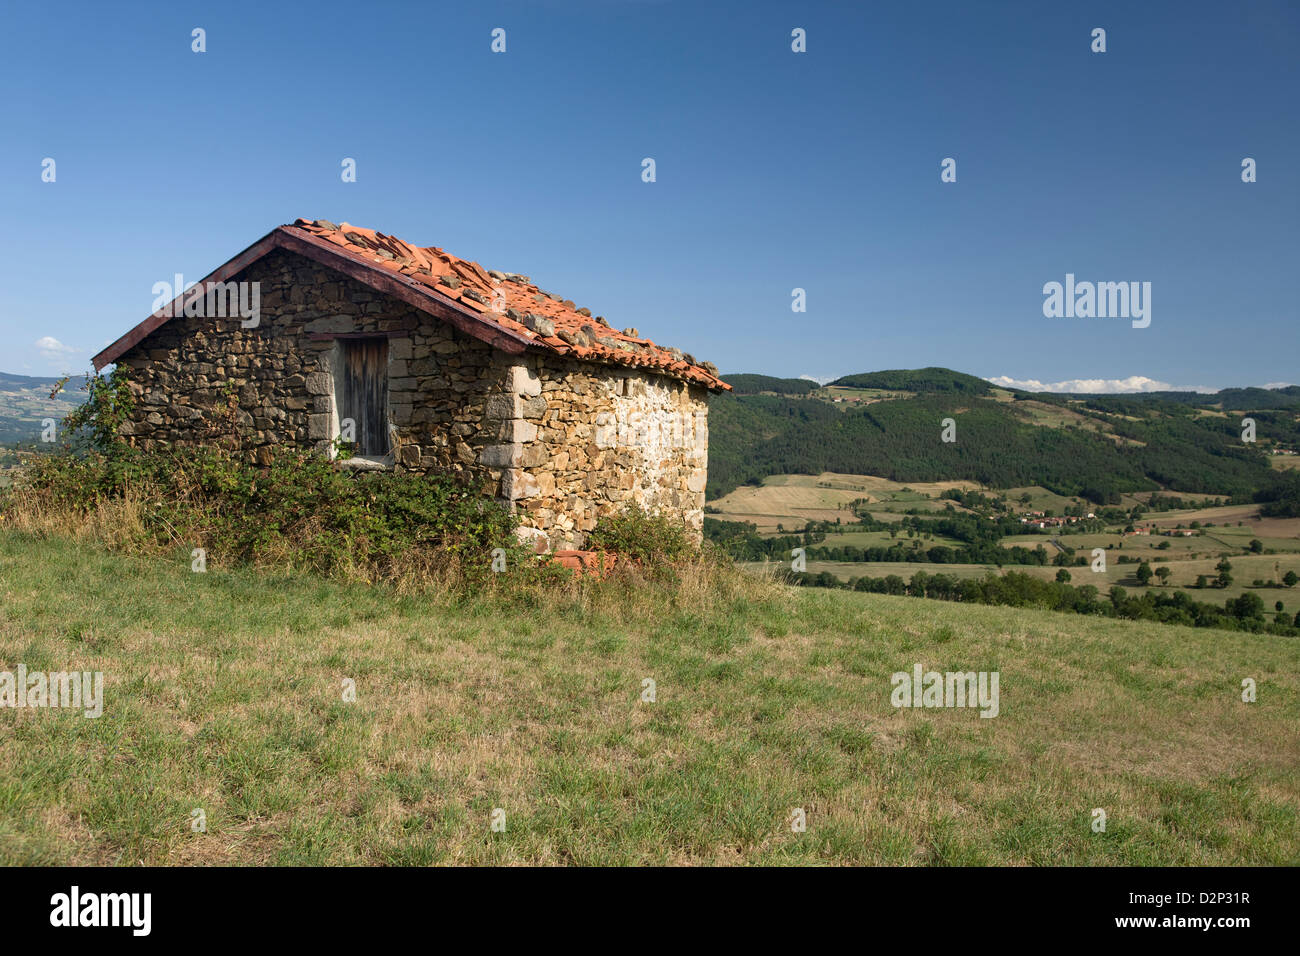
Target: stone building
[(343, 340)]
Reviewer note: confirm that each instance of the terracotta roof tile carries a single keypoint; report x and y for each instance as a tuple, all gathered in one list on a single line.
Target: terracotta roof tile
[(576, 333), (586, 562)]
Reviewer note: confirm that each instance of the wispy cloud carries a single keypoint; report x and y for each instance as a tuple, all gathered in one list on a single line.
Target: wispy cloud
[(52, 348), (1097, 386), (819, 379)]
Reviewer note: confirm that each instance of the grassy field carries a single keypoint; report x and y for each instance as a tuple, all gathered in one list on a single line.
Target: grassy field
[(882, 539), (1049, 415), (223, 693)]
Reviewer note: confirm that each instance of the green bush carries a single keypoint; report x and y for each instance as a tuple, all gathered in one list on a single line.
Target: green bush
[(649, 540), (97, 422), (301, 510)]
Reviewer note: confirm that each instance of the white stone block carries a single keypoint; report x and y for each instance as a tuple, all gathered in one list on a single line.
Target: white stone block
[(521, 380), (516, 484), (518, 430)]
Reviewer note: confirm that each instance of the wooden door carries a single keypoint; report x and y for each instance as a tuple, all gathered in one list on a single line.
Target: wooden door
[(364, 396)]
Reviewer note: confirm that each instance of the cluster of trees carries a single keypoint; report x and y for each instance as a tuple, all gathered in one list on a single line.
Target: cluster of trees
[(741, 540), (1281, 499), (740, 427), (976, 500), (1015, 589), (1168, 502), (914, 552), (979, 537)]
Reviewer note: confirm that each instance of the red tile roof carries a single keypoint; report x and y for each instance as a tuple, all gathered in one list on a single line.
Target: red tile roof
[(503, 308)]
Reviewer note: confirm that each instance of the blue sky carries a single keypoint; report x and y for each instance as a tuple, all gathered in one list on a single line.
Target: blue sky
[(775, 170)]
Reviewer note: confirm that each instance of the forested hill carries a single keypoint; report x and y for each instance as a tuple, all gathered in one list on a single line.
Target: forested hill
[(918, 380), (890, 424), (756, 384)]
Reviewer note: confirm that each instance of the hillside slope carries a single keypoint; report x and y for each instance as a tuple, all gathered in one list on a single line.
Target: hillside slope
[(1095, 447), (223, 693), (25, 402)]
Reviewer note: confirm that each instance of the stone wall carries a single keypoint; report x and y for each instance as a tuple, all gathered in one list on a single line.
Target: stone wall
[(562, 442), (579, 441)]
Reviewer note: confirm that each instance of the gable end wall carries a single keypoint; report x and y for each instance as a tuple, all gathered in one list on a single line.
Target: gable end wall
[(561, 442)]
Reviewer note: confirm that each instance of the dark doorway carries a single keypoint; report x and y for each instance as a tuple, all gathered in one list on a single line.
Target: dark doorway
[(363, 393)]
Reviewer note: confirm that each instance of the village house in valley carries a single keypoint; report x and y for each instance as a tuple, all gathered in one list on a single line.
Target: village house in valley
[(424, 362)]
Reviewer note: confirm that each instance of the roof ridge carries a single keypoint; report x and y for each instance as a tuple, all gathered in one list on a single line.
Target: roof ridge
[(504, 309), (515, 303)]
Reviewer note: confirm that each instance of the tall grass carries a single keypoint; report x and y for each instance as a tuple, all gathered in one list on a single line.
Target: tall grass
[(300, 514)]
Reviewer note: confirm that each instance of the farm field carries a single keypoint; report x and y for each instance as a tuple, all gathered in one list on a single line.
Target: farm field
[(1222, 517), (790, 499), (1142, 545), (1234, 527), (1040, 499), (794, 500), (1211, 541), (882, 539), (222, 692), (858, 396)]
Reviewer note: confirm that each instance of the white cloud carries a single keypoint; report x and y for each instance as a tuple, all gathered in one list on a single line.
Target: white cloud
[(1097, 386), (822, 380), (52, 348), (1278, 385)]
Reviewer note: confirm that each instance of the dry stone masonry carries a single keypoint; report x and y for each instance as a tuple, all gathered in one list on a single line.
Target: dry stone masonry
[(555, 433)]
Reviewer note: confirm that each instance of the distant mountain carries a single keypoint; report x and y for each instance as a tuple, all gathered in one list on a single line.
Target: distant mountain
[(25, 403), (8, 381), (757, 384), (1237, 399), (1096, 447), (917, 380)]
